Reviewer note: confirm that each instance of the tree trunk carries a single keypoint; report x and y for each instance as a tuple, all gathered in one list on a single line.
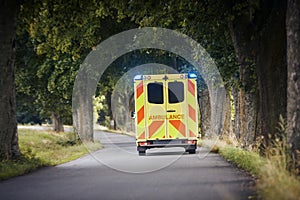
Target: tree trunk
[(259, 38), (236, 103), (271, 68), (242, 31), (113, 124), (57, 122), (205, 112), (83, 117), (293, 87), (227, 130), (9, 147), (249, 118), (82, 105)]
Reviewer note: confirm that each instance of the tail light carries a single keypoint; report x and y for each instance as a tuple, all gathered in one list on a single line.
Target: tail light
[(190, 142), (144, 143)]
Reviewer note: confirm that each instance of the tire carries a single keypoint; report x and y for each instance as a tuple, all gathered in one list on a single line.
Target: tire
[(142, 153), (192, 151)]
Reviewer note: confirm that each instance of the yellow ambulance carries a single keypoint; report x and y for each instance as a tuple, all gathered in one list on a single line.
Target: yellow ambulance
[(166, 111)]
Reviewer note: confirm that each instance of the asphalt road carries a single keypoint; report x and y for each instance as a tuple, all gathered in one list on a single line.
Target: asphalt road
[(117, 172)]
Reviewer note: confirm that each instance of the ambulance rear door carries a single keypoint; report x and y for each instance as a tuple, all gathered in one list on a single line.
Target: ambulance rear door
[(176, 106), (155, 107)]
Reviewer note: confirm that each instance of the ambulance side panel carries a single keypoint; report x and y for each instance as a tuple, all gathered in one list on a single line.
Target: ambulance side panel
[(192, 105), (140, 121)]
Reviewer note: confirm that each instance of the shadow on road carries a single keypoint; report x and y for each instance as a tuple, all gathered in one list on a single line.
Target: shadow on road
[(177, 151), (165, 153)]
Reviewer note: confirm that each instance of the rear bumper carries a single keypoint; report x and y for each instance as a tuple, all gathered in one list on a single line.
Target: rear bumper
[(185, 143)]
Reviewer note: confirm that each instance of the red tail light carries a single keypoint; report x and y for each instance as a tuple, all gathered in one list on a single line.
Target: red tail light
[(144, 143), (190, 142)]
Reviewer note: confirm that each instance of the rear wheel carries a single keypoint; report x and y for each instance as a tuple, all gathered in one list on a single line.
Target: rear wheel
[(142, 153), (141, 150), (192, 151)]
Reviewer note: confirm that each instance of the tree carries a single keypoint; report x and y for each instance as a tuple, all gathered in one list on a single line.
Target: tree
[(257, 30), (271, 66), (61, 35), (9, 147), (55, 59), (293, 66), (246, 94)]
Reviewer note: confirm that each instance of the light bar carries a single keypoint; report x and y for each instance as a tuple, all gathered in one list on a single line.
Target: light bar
[(138, 77), (192, 75)]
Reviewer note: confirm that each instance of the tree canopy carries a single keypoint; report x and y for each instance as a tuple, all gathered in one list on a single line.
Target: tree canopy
[(247, 40)]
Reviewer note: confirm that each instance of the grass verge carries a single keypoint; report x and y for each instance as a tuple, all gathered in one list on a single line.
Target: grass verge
[(274, 181), (44, 148), (247, 160)]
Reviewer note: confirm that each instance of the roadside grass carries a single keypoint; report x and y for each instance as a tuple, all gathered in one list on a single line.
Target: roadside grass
[(274, 181), (44, 148), (247, 160), (278, 183)]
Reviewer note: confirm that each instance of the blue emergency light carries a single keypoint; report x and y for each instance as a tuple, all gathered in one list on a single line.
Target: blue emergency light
[(192, 75), (138, 77)]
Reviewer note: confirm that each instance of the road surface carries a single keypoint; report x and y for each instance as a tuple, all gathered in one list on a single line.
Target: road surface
[(117, 172)]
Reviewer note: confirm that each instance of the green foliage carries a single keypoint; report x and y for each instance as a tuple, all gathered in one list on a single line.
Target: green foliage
[(204, 21), (98, 107), (247, 160), (60, 34), (43, 148), (53, 39)]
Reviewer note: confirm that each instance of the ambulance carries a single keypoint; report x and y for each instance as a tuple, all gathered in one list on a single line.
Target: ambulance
[(166, 113)]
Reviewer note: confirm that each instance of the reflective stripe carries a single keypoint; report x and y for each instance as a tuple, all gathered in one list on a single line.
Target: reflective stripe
[(179, 126), (141, 114), (139, 101), (191, 87), (142, 136), (192, 109), (192, 113), (192, 134), (154, 127), (139, 89)]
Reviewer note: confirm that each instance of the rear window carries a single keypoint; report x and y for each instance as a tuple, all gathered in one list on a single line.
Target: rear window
[(155, 93), (175, 92)]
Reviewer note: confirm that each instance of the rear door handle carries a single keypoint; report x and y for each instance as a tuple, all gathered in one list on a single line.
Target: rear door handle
[(171, 110)]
